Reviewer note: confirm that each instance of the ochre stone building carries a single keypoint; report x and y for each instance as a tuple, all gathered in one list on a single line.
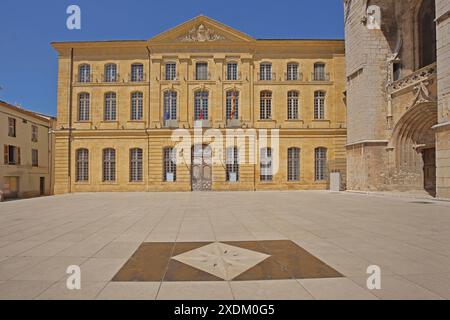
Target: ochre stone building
[(121, 102), (26, 152), (398, 93)]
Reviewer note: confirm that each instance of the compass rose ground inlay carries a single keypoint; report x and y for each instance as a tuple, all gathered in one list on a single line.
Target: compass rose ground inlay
[(219, 261)]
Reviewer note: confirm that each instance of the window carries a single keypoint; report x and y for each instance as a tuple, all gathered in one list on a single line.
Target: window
[(232, 71), (34, 133), (171, 71), (110, 106), (84, 73), (320, 163), (110, 73), (11, 155), (292, 72), (427, 33), (137, 103), (201, 105), (170, 166), (265, 168), (170, 105), (319, 105), (201, 71), (34, 158), (109, 165), (265, 71), (11, 127), (83, 106), (232, 164), (82, 168), (265, 111), (135, 165), (137, 72), (232, 105), (397, 71), (292, 104), (293, 164), (319, 72)]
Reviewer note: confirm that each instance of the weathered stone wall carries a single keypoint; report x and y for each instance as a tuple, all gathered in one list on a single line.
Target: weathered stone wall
[(443, 132), (379, 110)]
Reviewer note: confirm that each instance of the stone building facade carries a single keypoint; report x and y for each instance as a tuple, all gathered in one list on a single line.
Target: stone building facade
[(398, 91), (120, 104), (26, 142)]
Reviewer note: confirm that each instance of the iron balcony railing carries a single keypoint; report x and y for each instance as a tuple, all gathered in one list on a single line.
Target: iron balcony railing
[(298, 76), (319, 76)]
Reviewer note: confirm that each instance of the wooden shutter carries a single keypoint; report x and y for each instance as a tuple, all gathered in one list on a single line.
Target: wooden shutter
[(18, 155), (6, 154)]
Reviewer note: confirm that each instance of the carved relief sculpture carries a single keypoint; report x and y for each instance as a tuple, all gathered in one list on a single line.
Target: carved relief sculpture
[(201, 34), (373, 18)]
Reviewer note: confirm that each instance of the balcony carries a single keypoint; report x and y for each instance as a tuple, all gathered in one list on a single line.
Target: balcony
[(202, 124), (85, 79), (233, 77), (171, 124), (293, 77), (267, 76), (320, 76), (112, 79), (234, 123), (203, 77), (137, 78), (167, 77)]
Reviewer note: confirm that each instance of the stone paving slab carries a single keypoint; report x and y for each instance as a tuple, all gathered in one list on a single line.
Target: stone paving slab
[(408, 239)]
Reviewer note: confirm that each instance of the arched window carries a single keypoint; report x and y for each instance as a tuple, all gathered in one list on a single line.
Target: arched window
[(232, 105), (265, 71), (427, 33), (292, 105), (136, 156), (111, 72), (110, 106), (292, 72), (171, 71), (319, 105), (170, 165), (137, 106), (320, 164), (84, 73), (293, 164), (265, 164), (265, 111), (201, 105), (109, 165), (232, 164), (83, 106), (137, 72), (232, 71), (170, 105), (319, 72), (82, 165)]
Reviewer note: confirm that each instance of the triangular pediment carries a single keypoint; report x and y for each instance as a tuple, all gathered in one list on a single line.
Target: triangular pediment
[(201, 29)]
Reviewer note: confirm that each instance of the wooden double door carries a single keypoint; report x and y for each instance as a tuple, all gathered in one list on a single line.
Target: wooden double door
[(429, 170)]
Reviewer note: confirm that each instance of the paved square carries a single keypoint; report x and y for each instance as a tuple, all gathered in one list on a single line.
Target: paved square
[(408, 238)]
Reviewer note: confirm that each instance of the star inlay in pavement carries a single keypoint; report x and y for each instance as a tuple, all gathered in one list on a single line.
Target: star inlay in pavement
[(222, 260)]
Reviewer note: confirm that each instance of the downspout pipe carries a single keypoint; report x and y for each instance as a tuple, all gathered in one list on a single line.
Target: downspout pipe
[(70, 122)]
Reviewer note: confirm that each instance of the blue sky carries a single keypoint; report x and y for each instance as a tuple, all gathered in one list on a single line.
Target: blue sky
[(28, 64)]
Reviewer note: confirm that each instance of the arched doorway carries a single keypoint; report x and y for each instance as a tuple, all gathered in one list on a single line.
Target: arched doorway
[(201, 168), (415, 144)]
